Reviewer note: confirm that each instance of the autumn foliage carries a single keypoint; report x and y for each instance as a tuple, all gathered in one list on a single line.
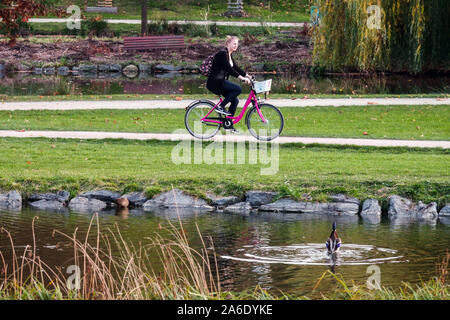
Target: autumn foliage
[(15, 13)]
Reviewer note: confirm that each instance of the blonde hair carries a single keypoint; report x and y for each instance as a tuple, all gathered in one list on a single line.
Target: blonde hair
[(230, 38)]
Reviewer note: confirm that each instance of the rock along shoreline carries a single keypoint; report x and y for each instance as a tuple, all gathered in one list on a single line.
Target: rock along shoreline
[(399, 209)]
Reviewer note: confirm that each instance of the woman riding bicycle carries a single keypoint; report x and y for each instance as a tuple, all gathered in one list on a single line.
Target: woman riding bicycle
[(222, 66)]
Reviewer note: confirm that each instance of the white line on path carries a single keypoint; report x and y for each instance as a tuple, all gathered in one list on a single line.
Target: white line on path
[(173, 104), (235, 138)]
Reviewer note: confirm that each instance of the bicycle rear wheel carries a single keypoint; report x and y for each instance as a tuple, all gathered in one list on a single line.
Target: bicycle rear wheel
[(192, 120), (268, 129)]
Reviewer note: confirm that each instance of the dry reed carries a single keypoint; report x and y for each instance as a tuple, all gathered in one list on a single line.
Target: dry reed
[(112, 268)]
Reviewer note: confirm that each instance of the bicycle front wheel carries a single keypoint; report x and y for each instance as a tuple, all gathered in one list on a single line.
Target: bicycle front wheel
[(196, 127), (269, 126)]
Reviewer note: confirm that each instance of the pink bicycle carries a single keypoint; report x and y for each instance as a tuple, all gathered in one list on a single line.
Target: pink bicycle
[(264, 121)]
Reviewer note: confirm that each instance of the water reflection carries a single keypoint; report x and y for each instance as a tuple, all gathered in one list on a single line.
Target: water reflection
[(275, 251), (182, 83), (176, 214)]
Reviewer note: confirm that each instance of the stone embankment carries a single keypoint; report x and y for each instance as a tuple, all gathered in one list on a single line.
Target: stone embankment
[(88, 70), (399, 210)]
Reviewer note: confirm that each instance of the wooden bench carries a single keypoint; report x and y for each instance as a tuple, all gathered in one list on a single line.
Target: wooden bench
[(105, 6), (235, 5), (153, 42), (105, 3)]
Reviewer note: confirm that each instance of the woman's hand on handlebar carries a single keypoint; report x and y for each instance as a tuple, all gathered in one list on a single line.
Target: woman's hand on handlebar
[(251, 77), (245, 79)]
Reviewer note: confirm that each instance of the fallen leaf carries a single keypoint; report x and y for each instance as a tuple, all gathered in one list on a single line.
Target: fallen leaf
[(365, 133), (178, 98), (372, 102)]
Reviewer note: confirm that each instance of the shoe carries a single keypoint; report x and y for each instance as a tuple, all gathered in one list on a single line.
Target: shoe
[(233, 130), (221, 110)]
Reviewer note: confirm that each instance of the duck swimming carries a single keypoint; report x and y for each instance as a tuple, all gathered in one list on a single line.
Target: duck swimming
[(334, 242)]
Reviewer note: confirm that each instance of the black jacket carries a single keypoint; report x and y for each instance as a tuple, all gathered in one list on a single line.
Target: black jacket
[(220, 70)]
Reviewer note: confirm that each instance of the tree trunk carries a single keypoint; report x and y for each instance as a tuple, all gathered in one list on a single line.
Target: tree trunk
[(144, 18)]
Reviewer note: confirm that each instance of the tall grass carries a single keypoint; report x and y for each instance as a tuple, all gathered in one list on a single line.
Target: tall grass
[(437, 288), (111, 268)]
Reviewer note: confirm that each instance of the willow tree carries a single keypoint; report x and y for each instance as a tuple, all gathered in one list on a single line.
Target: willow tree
[(385, 35)]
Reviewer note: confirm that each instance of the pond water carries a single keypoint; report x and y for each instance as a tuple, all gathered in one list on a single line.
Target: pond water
[(276, 251), (26, 84)]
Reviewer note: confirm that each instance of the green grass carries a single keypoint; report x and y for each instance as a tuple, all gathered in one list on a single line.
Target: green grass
[(436, 288), (290, 11), (39, 164), (432, 289), (124, 30), (379, 122)]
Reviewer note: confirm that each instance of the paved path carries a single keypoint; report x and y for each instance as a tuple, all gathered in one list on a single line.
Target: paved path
[(220, 137), (173, 104), (219, 23)]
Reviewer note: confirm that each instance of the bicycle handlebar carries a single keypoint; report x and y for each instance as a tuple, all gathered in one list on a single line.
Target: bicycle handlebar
[(252, 80)]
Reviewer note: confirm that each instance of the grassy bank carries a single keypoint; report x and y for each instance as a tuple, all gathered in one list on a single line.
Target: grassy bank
[(292, 10), (432, 289), (38, 164), (158, 27), (371, 121)]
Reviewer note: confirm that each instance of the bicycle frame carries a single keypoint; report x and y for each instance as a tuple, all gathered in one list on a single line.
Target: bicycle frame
[(251, 97)]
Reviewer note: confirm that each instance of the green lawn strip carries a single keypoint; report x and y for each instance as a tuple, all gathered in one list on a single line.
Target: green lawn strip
[(378, 122), (188, 30), (128, 97), (39, 164), (211, 10)]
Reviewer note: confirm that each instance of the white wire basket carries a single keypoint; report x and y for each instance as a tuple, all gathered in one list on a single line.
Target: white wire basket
[(262, 86)]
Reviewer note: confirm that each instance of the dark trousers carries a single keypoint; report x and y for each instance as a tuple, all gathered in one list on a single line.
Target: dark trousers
[(230, 91)]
